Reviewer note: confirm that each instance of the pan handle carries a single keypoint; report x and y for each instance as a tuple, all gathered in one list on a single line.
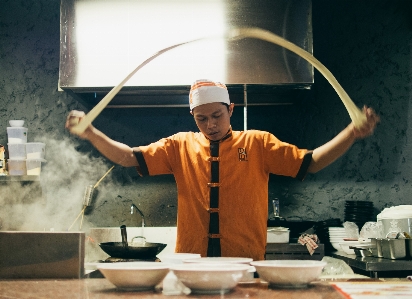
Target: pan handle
[(124, 235)]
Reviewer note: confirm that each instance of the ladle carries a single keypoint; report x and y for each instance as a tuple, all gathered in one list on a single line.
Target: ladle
[(124, 236), (355, 113)]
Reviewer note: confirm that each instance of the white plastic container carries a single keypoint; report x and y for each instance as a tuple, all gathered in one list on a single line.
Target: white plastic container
[(17, 166), (396, 219), (278, 235), (17, 135), (17, 150), (33, 166), (35, 150)]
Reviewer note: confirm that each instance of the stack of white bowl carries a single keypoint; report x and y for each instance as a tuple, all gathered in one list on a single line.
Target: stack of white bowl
[(337, 236), (25, 158), (17, 139)]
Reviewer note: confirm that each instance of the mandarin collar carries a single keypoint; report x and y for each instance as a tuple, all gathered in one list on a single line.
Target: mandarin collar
[(228, 135)]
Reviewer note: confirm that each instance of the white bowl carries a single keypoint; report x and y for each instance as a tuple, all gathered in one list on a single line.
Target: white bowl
[(203, 278), (16, 123), (227, 260), (337, 246), (345, 246), (289, 273), (134, 276), (177, 258)]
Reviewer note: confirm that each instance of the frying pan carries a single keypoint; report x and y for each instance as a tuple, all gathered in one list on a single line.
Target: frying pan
[(129, 250)]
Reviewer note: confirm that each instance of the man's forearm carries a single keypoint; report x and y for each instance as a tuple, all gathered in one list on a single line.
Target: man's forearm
[(116, 152), (332, 150)]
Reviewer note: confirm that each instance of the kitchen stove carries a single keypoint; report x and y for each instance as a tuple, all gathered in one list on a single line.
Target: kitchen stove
[(122, 260), (91, 270)]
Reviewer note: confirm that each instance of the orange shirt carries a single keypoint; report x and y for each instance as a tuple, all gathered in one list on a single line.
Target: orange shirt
[(246, 160)]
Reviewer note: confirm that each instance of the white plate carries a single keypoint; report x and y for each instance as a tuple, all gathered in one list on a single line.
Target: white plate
[(351, 243), (342, 276), (220, 260), (177, 258), (91, 266)]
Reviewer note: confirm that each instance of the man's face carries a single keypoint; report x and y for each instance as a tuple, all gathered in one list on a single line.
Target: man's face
[(213, 119)]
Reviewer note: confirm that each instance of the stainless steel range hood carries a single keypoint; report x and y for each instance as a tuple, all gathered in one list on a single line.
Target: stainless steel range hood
[(102, 41)]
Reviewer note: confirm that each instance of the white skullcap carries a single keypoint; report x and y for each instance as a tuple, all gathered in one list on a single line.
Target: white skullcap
[(205, 91)]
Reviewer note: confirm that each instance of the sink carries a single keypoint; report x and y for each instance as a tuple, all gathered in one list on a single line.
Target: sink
[(165, 235)]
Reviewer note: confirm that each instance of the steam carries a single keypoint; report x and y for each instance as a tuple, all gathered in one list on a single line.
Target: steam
[(56, 200)]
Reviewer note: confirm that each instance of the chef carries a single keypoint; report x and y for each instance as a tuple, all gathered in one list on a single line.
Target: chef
[(222, 175)]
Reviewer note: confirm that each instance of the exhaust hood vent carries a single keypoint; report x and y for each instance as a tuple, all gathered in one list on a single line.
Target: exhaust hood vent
[(102, 41)]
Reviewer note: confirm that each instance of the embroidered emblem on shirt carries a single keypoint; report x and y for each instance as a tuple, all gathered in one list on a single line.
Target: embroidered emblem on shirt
[(242, 154)]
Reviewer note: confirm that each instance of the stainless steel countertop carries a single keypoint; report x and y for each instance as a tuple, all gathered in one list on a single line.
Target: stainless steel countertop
[(374, 264)]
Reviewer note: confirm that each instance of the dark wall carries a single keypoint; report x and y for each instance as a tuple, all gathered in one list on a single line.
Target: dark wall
[(365, 44)]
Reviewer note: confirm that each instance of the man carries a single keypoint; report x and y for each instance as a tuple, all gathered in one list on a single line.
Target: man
[(222, 175)]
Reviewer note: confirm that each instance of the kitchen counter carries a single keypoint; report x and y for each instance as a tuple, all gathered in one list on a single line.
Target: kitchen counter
[(376, 267), (103, 289)]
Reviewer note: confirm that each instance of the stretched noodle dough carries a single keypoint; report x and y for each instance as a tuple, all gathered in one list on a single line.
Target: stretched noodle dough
[(355, 113)]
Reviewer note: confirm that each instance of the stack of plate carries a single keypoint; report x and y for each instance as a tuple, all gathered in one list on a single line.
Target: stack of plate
[(321, 229), (337, 236), (359, 212)]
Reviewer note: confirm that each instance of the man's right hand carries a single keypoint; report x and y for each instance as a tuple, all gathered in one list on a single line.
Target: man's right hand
[(73, 119)]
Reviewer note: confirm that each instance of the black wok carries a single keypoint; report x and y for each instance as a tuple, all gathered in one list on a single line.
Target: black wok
[(125, 250), (132, 251)]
